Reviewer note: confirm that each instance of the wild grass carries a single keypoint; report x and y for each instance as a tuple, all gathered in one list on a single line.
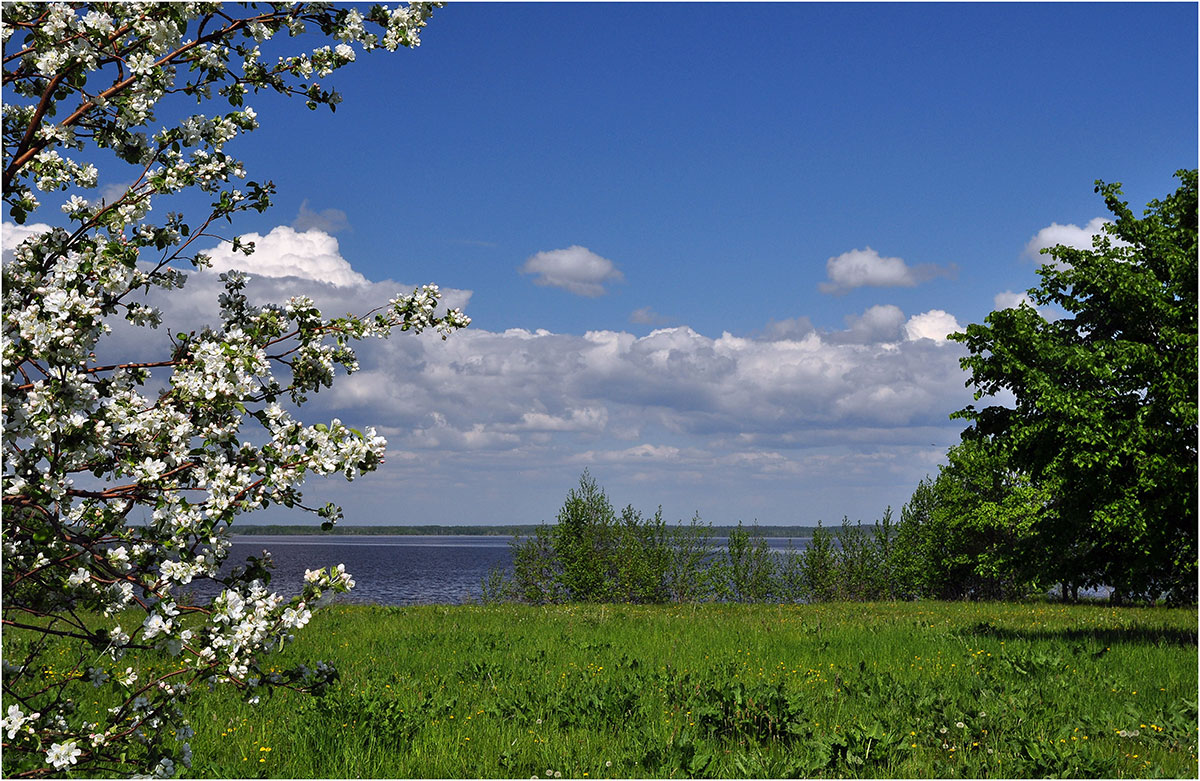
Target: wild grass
[(841, 689)]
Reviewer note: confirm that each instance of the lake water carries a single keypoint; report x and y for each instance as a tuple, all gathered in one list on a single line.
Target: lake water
[(395, 569)]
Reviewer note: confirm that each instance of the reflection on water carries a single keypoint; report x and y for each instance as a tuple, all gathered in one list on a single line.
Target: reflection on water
[(392, 569)]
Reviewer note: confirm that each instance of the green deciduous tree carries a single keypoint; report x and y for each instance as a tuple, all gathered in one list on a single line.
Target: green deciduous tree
[(583, 540), (1105, 416), (593, 555), (747, 571), (966, 533), (818, 567)]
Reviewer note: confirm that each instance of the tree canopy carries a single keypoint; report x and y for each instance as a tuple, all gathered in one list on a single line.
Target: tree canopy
[(1105, 410)]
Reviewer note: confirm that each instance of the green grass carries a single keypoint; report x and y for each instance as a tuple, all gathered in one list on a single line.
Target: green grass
[(899, 690)]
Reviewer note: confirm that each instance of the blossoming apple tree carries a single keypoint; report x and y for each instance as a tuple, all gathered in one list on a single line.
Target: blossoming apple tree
[(121, 479)]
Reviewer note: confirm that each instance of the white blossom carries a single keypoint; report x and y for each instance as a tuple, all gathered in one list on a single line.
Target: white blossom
[(156, 625), (63, 755), (14, 720)]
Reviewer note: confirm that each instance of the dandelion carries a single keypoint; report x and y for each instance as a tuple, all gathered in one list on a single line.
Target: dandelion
[(959, 724), (942, 730), (608, 763)]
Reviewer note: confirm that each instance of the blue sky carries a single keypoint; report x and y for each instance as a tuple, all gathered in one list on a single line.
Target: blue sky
[(719, 154), (710, 250)]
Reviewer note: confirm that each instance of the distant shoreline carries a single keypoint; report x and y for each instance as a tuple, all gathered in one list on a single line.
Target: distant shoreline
[(485, 531)]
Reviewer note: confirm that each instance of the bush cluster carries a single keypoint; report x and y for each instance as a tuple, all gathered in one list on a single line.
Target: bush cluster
[(594, 554)]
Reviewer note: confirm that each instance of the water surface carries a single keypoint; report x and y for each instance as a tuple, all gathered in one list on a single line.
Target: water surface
[(387, 570), (396, 569)]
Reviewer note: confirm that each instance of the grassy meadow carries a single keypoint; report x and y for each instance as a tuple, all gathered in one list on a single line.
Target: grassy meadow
[(592, 691)]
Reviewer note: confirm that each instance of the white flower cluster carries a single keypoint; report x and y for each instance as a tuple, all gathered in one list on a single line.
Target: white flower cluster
[(187, 443), (15, 721)]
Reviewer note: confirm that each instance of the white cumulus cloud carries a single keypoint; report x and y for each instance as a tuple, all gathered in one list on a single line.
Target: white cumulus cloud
[(934, 324), (881, 323), (647, 316), (867, 268), (1007, 299), (327, 220), (575, 269), (285, 252), (1069, 235)]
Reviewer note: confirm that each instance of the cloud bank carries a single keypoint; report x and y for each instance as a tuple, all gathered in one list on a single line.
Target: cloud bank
[(672, 382)]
